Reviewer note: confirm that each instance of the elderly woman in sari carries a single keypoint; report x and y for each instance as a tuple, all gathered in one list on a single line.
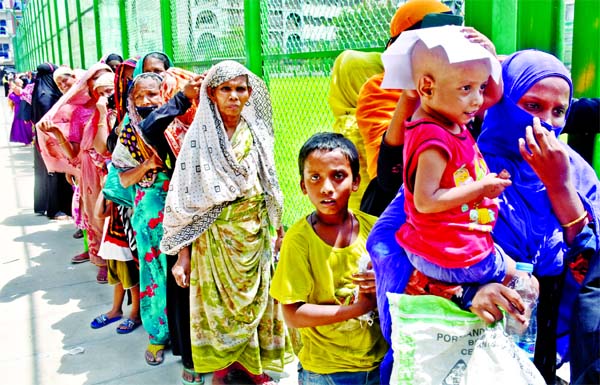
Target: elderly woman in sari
[(222, 212), (71, 145), (141, 166)]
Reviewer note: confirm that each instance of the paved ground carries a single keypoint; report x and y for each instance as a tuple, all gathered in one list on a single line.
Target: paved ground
[(46, 303)]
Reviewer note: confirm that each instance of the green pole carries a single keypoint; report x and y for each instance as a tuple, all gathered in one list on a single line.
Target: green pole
[(539, 24), (80, 31), (254, 57), (58, 39), (165, 23), (47, 32), (69, 40), (124, 36), (97, 27), (496, 19), (585, 68)]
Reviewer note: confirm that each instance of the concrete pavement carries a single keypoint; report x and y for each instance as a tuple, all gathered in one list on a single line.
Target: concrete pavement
[(47, 304)]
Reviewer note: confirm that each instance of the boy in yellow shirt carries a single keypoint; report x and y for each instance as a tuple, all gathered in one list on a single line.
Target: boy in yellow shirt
[(317, 277)]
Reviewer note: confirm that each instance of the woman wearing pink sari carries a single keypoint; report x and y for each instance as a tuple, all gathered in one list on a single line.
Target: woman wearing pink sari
[(75, 142)]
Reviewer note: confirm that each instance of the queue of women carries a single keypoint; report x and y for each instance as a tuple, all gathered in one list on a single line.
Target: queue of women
[(171, 174)]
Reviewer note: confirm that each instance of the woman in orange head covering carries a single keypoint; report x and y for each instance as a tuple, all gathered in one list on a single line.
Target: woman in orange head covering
[(375, 105)]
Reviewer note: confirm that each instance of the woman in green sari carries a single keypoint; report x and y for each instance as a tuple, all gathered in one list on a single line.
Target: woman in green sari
[(221, 214)]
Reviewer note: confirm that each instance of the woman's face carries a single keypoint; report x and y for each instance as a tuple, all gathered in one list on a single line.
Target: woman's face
[(154, 65), (113, 64), (548, 99), (92, 82), (65, 82), (146, 93), (231, 96), (105, 91)]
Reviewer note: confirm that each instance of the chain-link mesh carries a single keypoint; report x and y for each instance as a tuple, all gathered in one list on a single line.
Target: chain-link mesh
[(299, 41), (143, 26), (110, 26)]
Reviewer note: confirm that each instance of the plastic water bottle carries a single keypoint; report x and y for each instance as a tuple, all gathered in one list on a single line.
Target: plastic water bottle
[(524, 335)]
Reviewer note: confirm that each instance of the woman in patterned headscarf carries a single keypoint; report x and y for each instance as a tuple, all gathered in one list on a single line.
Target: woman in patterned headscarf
[(140, 165), (221, 214)]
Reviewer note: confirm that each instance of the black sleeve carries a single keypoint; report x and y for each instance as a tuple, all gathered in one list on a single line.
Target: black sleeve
[(389, 167), (154, 126)]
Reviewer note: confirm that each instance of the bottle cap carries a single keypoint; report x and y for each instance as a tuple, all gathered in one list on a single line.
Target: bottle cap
[(523, 266)]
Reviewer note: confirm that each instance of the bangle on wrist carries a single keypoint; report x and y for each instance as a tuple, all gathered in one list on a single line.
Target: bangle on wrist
[(575, 221)]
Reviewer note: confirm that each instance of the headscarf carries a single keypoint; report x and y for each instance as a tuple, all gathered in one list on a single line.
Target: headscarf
[(121, 88), (129, 152), (62, 71), (527, 228), (350, 71), (413, 12), (525, 207), (45, 91), (77, 103), (107, 79), (139, 68), (196, 198)]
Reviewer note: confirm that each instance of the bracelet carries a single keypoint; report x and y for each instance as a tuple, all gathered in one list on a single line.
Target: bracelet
[(575, 221)]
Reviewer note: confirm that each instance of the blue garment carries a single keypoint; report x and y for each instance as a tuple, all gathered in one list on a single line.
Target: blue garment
[(306, 377), (392, 269), (527, 228)]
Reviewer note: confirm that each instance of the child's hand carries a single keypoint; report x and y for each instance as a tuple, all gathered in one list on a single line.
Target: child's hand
[(494, 184), (367, 299)]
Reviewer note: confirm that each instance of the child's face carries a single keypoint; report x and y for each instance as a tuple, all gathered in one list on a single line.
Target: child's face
[(328, 182), (457, 92)]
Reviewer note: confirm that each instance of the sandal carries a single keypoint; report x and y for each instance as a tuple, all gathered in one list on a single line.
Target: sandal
[(128, 325), (154, 354), (102, 320), (190, 377), (102, 276)]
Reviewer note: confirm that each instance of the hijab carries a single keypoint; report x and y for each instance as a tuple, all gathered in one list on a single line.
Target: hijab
[(76, 104), (45, 91), (139, 68), (527, 228), (122, 87), (195, 199)]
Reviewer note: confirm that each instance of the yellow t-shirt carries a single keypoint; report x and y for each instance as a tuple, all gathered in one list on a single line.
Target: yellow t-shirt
[(311, 271)]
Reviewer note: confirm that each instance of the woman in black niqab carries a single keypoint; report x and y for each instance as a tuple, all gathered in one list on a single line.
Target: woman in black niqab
[(52, 194)]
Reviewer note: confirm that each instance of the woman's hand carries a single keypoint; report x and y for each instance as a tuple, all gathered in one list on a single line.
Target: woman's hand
[(101, 106), (181, 268), (491, 297), (545, 154), (47, 127), (153, 162), (474, 36), (191, 89)]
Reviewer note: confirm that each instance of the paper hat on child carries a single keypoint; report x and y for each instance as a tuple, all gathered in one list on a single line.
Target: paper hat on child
[(396, 59)]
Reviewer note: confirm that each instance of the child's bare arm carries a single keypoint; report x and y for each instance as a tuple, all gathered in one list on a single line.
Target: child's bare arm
[(407, 105), (430, 198)]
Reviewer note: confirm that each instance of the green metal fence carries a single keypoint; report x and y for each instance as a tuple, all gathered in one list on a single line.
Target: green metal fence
[(292, 44)]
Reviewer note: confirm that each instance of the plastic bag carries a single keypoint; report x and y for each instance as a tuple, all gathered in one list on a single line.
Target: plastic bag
[(435, 342)]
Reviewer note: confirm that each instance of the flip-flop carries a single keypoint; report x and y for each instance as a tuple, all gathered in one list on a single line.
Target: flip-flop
[(198, 378), (127, 326), (154, 354), (103, 320)]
